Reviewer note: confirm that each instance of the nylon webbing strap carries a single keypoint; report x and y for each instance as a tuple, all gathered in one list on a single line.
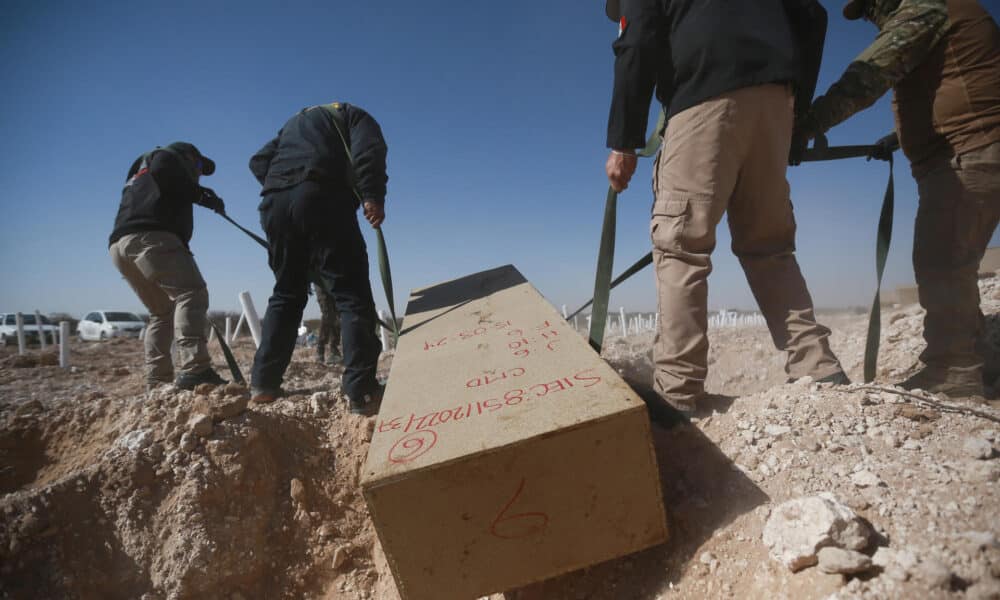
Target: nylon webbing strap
[(637, 266), (606, 252), (383, 267), (234, 367), (882, 242)]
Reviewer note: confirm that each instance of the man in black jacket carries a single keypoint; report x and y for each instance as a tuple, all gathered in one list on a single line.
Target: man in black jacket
[(149, 246), (325, 162), (726, 74)]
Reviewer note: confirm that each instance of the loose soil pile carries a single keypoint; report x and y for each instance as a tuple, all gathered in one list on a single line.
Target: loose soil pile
[(109, 492)]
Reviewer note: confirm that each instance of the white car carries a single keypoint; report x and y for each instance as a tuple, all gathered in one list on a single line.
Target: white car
[(8, 329), (106, 324)]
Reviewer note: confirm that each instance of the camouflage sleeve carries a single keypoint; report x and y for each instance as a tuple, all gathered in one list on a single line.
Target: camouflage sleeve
[(905, 39)]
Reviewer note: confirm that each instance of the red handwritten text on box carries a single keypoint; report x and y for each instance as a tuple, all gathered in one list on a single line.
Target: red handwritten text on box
[(511, 525)]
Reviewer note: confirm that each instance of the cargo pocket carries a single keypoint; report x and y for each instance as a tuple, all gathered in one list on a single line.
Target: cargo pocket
[(667, 225), (684, 223)]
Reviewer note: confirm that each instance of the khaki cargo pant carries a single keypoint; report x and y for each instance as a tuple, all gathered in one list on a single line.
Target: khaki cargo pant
[(162, 271), (958, 212), (728, 154)]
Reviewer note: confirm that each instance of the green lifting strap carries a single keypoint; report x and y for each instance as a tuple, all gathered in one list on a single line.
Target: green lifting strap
[(234, 367), (383, 253), (882, 242), (606, 252)]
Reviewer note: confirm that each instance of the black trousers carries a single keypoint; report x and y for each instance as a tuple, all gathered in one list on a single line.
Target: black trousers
[(312, 231)]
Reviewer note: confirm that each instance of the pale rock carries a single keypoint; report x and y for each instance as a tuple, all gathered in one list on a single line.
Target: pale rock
[(935, 573), (866, 478), (188, 442), (340, 556), (777, 430), (318, 402), (229, 407), (977, 448), (135, 441), (797, 529), (201, 425), (297, 490), (987, 589), (844, 562)]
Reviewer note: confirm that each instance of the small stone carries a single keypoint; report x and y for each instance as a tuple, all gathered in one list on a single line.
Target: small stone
[(201, 425), (865, 479), (987, 589), (204, 389), (977, 448), (188, 442), (235, 389), (318, 402), (935, 573), (297, 490), (844, 562), (706, 558), (776, 430), (327, 531), (229, 407), (797, 529), (340, 556), (912, 445)]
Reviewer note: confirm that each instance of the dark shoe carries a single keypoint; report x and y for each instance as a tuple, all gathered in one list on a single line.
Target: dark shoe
[(264, 396), (952, 382), (368, 404), (662, 412), (188, 381), (838, 378)]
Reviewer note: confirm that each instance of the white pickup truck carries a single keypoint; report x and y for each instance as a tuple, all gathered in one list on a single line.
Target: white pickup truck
[(8, 329)]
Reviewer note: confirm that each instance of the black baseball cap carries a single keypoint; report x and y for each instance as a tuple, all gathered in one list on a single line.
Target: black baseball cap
[(613, 8), (207, 164)]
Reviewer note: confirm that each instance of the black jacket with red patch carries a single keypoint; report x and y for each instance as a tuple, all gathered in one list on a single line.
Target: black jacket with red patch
[(159, 192)]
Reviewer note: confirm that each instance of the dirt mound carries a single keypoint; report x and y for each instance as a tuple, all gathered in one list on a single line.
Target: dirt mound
[(183, 495)]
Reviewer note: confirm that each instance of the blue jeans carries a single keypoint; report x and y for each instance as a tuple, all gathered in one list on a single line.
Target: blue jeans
[(313, 233)]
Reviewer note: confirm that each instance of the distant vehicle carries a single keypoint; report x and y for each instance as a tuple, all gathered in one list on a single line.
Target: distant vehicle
[(106, 324), (8, 328)]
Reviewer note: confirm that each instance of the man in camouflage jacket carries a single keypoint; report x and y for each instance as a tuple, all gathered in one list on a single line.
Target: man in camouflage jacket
[(942, 60)]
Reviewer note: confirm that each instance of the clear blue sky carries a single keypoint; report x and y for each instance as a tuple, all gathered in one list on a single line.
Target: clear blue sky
[(495, 114)]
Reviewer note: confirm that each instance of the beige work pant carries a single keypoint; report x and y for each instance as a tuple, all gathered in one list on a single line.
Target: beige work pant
[(728, 154), (958, 212), (162, 271)]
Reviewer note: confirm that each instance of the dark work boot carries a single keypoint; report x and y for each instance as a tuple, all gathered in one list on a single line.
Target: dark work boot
[(838, 378), (368, 404), (188, 381), (952, 382)]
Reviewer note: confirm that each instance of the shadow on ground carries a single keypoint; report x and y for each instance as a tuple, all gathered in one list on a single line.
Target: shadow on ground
[(703, 491)]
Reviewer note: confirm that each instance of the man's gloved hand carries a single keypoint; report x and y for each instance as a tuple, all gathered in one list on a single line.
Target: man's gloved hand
[(211, 200), (374, 212), (883, 149)]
